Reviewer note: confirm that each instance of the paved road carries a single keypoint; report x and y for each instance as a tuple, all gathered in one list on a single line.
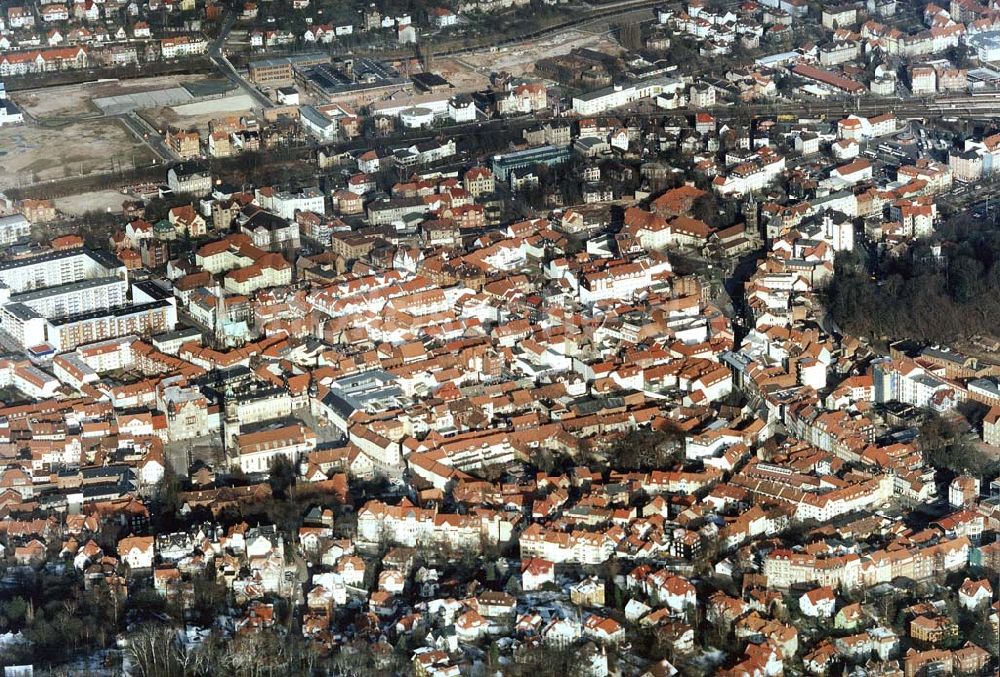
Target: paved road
[(151, 137), (218, 57), (971, 196)]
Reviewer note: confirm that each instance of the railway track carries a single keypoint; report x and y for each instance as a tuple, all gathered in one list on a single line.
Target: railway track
[(986, 106), (605, 12)]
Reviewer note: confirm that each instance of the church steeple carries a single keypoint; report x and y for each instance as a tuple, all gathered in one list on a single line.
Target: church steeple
[(220, 322)]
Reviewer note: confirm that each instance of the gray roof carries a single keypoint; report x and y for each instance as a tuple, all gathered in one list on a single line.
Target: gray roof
[(187, 332), (315, 117), (68, 288), (21, 311), (123, 311), (13, 220)]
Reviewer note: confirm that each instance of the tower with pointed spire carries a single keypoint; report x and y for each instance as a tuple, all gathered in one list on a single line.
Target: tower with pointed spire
[(220, 319)]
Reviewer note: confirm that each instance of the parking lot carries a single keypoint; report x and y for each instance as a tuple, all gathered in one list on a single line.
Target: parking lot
[(180, 455)]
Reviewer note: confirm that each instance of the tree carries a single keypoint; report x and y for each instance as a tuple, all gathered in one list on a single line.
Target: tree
[(13, 613), (167, 500), (154, 651), (980, 631), (948, 287), (544, 659), (706, 208), (946, 448), (645, 449), (210, 597), (281, 476), (631, 36)]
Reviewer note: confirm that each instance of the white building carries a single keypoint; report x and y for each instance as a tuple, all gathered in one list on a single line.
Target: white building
[(189, 178), (596, 102), (254, 452), (13, 228), (172, 48), (82, 296), (462, 109), (317, 124), (286, 203), (820, 602), (10, 114), (621, 281), (750, 176), (57, 268)]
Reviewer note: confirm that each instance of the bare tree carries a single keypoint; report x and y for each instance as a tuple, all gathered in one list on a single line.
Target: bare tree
[(631, 36), (154, 651)]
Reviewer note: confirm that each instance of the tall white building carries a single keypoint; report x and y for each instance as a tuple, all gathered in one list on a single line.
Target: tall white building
[(76, 297), (13, 227), (57, 268)]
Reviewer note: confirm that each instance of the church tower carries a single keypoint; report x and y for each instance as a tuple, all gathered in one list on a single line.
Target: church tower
[(231, 427)]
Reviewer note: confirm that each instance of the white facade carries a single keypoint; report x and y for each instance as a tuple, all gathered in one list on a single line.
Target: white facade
[(56, 268), (620, 95), (307, 200), (9, 113), (462, 111), (77, 297), (416, 117), (15, 226), (171, 48), (749, 179)]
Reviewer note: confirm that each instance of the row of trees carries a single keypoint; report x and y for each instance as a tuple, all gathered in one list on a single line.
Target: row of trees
[(160, 651)]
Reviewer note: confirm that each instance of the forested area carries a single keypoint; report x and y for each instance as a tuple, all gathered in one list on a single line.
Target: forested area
[(927, 296)]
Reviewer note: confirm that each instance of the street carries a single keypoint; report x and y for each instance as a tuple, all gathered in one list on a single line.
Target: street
[(218, 57)]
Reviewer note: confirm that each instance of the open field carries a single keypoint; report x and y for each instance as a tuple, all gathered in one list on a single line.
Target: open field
[(99, 200), (520, 59), (32, 154), (461, 75), (71, 100), (229, 104), (198, 114)]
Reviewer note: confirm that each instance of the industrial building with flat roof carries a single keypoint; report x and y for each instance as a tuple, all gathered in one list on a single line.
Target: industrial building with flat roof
[(281, 70), (349, 76)]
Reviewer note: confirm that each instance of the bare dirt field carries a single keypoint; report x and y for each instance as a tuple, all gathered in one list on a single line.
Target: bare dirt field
[(227, 104), (462, 76), (520, 59), (198, 114), (32, 154), (70, 100), (100, 200)]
